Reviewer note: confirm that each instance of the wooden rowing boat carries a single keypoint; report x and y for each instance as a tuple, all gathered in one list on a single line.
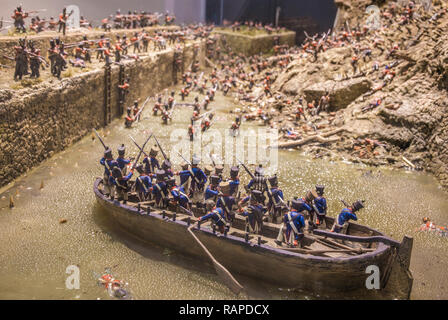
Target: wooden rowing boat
[(322, 266)]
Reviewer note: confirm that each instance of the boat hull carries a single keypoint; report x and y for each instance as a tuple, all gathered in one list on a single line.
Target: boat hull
[(278, 267)]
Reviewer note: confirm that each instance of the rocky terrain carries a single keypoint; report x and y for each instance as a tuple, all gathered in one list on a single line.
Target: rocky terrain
[(393, 115)]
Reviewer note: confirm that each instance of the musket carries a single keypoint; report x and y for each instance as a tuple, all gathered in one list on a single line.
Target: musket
[(101, 140), (160, 147), (141, 150), (9, 58), (246, 168), (345, 203), (136, 144), (141, 109)]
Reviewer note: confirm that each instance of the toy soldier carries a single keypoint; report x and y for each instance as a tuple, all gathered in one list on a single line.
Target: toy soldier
[(320, 205), (121, 161), (151, 163), (21, 59), (19, 19), (179, 195), (199, 179), (225, 200), (121, 184), (63, 20), (254, 213), (275, 199), (118, 49), (347, 214), (160, 190), (143, 184), (166, 166), (218, 217), (109, 163), (211, 192), (292, 228), (145, 40), (35, 61), (101, 48), (259, 182), (129, 119), (136, 41)]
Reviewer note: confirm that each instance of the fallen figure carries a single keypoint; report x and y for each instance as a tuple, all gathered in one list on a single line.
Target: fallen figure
[(428, 225), (114, 287)]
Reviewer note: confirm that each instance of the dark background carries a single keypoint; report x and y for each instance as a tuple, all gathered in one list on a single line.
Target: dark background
[(298, 15)]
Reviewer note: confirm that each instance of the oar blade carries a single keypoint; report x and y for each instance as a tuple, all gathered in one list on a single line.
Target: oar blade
[(227, 278)]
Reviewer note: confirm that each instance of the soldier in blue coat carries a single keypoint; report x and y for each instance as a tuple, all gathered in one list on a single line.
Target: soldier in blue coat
[(218, 217), (122, 162), (294, 222), (199, 179), (179, 196), (166, 166), (234, 180), (346, 215), (305, 205), (143, 184), (275, 199), (121, 183), (211, 193), (109, 163), (320, 205), (225, 201), (185, 176), (159, 190), (151, 163), (254, 213)]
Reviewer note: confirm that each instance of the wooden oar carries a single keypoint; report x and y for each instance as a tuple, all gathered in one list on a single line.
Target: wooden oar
[(225, 275), (339, 236)]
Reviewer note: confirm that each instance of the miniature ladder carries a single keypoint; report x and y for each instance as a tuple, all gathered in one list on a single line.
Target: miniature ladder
[(107, 94), (121, 92)]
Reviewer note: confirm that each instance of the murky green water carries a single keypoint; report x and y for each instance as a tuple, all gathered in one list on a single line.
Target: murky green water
[(36, 249)]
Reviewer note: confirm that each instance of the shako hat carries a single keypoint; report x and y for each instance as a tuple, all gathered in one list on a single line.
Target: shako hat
[(320, 189), (358, 205), (160, 175), (153, 152), (121, 150), (273, 181), (108, 153), (214, 180)]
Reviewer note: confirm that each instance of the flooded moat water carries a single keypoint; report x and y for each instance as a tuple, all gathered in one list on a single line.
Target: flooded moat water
[(36, 248)]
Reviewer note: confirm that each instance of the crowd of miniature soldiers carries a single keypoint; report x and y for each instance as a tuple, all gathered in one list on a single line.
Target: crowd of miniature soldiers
[(213, 196)]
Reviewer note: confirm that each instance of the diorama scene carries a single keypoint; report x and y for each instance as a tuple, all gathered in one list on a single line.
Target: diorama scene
[(224, 150)]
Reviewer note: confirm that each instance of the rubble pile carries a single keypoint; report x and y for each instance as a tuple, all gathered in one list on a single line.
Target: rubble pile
[(384, 89)]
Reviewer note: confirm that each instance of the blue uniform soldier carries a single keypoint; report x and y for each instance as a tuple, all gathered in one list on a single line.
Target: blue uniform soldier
[(185, 176), (320, 205), (151, 163), (275, 199), (122, 162), (121, 183), (143, 184), (166, 166), (218, 217), (198, 182), (259, 182), (159, 190), (306, 206), (211, 193), (346, 215), (109, 163), (293, 224), (234, 180), (225, 201), (254, 213), (179, 196)]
